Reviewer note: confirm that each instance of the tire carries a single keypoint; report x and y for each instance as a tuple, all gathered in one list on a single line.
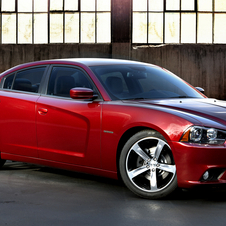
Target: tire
[(2, 162), (147, 166)]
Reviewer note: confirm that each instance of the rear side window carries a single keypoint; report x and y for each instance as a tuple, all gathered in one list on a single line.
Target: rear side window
[(8, 82), (27, 80)]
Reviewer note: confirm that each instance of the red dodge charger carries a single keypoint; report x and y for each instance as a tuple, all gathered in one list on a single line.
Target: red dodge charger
[(113, 118)]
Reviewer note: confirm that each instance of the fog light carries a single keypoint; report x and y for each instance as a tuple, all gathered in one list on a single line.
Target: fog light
[(205, 175)]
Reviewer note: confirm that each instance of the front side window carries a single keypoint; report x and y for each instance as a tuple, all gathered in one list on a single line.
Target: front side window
[(27, 80), (63, 79)]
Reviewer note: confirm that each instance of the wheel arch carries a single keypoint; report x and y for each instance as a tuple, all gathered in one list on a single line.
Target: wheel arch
[(124, 138)]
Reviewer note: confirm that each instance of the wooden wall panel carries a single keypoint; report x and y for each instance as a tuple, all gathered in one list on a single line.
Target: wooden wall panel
[(200, 65)]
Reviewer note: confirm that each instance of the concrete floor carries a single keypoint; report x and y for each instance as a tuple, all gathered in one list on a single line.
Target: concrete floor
[(39, 196)]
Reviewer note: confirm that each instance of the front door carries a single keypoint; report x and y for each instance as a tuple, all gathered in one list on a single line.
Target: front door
[(68, 130)]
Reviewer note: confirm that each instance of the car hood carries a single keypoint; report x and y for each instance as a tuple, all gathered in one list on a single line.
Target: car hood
[(202, 110)]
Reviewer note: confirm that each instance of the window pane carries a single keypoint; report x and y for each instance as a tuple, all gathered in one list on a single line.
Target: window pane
[(56, 4), (24, 5), (155, 28), (62, 79), (72, 27), (139, 5), (219, 32), (40, 5), (56, 28), (88, 27), (173, 4), (29, 80), (103, 5), (9, 28), (155, 5), (8, 82), (8, 5), (40, 28), (71, 5), (140, 27), (188, 28), (205, 5), (88, 5), (204, 28), (172, 27), (220, 5), (187, 5), (103, 27), (24, 28)]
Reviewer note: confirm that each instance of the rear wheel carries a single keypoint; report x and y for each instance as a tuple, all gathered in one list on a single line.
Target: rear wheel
[(2, 162), (147, 166)]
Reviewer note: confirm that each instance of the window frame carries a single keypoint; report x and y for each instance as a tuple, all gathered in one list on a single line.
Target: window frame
[(48, 13), (196, 11)]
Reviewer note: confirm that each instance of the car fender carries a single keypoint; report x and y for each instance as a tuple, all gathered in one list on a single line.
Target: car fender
[(115, 124)]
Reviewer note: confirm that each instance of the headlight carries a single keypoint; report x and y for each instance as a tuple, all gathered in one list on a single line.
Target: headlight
[(196, 134), (203, 135)]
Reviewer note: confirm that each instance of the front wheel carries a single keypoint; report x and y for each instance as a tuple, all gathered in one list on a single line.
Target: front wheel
[(147, 166)]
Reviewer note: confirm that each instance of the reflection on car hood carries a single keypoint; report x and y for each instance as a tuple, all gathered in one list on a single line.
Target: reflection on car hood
[(206, 108)]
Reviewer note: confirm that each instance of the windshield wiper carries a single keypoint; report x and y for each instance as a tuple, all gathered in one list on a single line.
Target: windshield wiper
[(137, 98), (181, 97)]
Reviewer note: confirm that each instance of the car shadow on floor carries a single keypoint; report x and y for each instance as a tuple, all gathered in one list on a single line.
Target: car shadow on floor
[(205, 192), (56, 173)]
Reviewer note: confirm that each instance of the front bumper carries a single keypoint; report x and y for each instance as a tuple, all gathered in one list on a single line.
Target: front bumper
[(193, 160)]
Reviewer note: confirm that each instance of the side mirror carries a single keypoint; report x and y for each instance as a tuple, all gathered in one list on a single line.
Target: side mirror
[(82, 93), (201, 90)]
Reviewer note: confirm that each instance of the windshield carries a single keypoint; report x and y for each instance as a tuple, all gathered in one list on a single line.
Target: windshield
[(142, 82)]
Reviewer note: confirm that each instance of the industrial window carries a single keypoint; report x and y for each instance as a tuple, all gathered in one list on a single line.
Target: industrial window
[(55, 21), (179, 21)]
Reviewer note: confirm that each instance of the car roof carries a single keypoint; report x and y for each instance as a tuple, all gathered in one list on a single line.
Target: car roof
[(79, 61), (99, 61)]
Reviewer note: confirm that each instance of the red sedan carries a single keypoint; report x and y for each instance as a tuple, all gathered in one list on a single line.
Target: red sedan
[(113, 118)]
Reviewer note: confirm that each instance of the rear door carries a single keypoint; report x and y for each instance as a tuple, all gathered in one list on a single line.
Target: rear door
[(18, 112), (68, 130)]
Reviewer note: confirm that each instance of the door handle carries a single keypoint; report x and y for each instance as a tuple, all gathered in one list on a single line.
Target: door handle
[(42, 111)]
